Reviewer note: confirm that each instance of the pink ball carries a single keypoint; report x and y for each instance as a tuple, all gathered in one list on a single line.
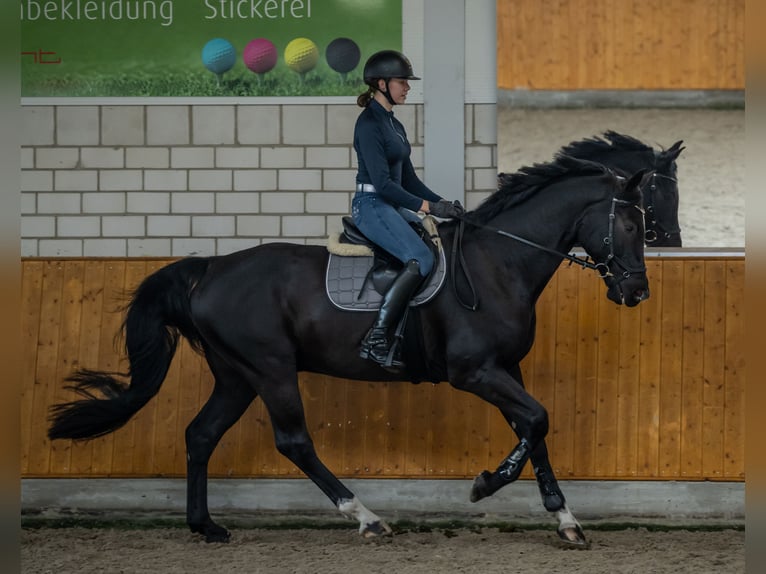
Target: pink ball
[(260, 55)]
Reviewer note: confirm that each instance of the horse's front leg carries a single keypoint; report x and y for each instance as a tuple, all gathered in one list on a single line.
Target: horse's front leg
[(527, 417), (569, 528), (529, 420)]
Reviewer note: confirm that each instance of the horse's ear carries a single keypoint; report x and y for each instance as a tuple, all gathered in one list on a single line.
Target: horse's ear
[(672, 153), (631, 191)]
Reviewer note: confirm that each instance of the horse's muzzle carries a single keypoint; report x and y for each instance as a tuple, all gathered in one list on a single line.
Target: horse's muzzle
[(629, 291)]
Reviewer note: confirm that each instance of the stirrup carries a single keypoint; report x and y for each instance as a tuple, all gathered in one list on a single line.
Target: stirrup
[(386, 357)]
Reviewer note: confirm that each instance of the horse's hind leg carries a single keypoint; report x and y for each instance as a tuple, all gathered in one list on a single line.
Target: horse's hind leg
[(282, 399), (228, 401)]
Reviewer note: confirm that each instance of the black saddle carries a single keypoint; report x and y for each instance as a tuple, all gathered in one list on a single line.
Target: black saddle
[(385, 267)]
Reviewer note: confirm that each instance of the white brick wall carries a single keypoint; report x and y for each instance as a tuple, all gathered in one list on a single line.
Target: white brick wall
[(174, 180)]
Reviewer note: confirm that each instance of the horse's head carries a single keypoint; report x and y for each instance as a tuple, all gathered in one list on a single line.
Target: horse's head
[(628, 154), (612, 233), (661, 200)]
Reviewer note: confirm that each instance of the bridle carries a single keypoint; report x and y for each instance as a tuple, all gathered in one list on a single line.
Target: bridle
[(650, 235), (602, 268)]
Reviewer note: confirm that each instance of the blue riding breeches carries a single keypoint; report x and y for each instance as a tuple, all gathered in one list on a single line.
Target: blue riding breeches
[(388, 227)]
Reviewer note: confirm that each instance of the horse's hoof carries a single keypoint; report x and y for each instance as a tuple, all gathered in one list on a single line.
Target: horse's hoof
[(221, 537), (212, 532), (573, 537), (480, 487), (376, 529)]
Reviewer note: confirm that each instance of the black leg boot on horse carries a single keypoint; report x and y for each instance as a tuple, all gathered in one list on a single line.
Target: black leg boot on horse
[(378, 344)]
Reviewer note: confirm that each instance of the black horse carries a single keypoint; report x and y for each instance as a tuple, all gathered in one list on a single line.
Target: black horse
[(261, 316), (627, 154)]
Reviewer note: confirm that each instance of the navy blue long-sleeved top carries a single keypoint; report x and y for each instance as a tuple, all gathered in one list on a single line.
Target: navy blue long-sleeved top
[(383, 154)]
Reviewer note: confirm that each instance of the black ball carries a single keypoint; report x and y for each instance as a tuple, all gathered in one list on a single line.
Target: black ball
[(343, 55)]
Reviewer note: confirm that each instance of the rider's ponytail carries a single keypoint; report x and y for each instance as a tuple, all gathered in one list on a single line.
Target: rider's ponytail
[(365, 97)]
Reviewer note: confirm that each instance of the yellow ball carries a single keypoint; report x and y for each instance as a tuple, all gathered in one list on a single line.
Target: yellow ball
[(301, 55)]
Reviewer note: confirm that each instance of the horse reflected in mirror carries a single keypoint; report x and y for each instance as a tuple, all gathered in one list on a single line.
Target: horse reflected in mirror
[(262, 315), (628, 154)]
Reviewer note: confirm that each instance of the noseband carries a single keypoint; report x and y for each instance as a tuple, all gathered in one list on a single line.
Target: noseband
[(602, 268), (650, 234)]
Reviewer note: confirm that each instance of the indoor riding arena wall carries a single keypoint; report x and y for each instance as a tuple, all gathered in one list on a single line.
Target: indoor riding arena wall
[(652, 392), (112, 190), (621, 45)]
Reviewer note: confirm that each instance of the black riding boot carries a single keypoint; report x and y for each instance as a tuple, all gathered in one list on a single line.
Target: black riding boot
[(376, 345)]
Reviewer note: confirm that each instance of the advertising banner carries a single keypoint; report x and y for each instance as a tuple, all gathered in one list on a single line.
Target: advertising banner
[(202, 48)]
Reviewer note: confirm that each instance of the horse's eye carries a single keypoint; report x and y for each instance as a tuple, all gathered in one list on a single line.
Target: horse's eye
[(630, 228)]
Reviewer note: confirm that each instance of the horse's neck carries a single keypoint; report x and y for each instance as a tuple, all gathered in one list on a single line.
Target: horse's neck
[(548, 220)]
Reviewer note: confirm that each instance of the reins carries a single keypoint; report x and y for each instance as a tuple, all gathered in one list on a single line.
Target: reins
[(601, 268)]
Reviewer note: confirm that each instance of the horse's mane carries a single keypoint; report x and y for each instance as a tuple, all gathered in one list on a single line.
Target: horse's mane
[(612, 142), (514, 188)]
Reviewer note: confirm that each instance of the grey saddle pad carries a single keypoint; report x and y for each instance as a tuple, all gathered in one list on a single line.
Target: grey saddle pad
[(345, 277)]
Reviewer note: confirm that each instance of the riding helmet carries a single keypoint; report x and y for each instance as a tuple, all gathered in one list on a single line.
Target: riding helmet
[(388, 64)]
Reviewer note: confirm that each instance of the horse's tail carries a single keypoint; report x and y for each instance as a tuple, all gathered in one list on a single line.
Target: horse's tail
[(158, 313)]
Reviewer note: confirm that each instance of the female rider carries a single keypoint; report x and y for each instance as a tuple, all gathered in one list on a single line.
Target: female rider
[(389, 193)]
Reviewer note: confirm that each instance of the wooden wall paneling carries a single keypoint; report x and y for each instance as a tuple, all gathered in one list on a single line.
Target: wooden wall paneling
[(672, 368), (109, 353), (586, 380), (650, 375), (475, 425), (650, 392), (735, 44), (394, 458), (608, 387), (31, 338), (375, 435), (420, 432), (693, 363), (446, 431), (45, 368), (619, 44), (332, 437), (353, 446), (69, 350), (562, 430), (557, 31), (628, 384), (714, 372), (734, 415)]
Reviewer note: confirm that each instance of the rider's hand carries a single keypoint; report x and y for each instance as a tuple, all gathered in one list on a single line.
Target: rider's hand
[(445, 209)]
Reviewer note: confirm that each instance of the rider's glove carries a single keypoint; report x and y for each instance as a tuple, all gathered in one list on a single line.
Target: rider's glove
[(445, 209)]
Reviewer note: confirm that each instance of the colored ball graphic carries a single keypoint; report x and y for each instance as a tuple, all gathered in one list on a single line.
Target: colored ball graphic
[(342, 55), (260, 55), (301, 55), (219, 55)]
